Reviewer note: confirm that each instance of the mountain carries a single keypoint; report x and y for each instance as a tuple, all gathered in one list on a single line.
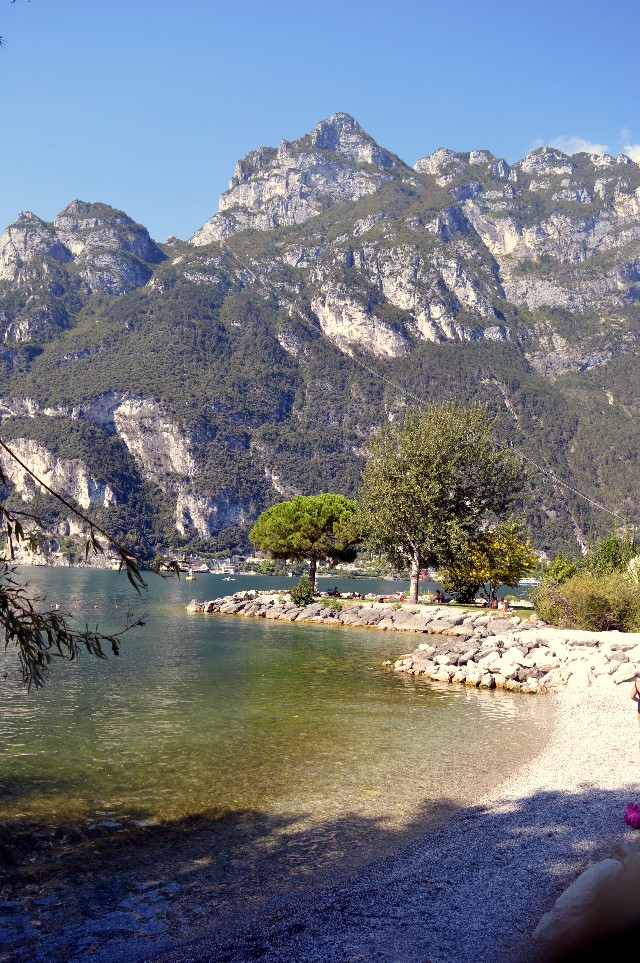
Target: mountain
[(177, 389)]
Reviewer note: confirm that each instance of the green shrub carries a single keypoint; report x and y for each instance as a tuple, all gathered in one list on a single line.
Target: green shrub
[(562, 568), (588, 602), (302, 593), (463, 590)]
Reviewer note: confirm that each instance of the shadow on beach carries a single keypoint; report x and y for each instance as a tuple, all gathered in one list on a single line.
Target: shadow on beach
[(458, 882)]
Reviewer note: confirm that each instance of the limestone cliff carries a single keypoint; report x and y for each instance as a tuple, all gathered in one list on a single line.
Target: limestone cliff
[(88, 249), (69, 477), (338, 161), (334, 285)]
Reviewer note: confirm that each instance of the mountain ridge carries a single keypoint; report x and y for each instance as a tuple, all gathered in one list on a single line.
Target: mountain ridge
[(232, 368)]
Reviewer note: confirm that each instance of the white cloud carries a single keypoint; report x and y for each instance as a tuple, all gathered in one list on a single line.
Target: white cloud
[(577, 145), (632, 151)]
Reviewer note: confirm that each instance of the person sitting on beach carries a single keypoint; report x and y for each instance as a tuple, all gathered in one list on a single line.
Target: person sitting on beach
[(334, 592)]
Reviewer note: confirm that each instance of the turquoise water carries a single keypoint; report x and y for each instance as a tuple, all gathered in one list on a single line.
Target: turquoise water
[(220, 714)]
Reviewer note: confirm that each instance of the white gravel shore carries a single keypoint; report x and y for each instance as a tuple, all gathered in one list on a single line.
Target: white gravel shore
[(474, 888)]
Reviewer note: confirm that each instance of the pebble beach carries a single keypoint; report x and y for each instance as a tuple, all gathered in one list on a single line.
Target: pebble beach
[(471, 885), (476, 885)]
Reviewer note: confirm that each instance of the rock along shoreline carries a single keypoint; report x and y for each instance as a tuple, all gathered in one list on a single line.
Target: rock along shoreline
[(482, 649)]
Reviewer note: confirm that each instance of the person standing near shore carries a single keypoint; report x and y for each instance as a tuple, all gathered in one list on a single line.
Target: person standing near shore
[(635, 695)]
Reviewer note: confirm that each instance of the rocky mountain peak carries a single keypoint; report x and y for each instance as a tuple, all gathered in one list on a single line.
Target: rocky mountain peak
[(28, 238), (546, 160), (27, 217), (83, 215), (88, 227), (274, 188), (109, 253), (342, 134)]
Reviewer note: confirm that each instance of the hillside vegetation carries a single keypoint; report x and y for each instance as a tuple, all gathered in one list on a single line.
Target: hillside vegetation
[(204, 380)]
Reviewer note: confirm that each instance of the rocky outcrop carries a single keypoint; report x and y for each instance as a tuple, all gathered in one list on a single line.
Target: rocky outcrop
[(104, 244), (88, 249), (156, 441), (350, 323), (68, 476), (337, 161), (26, 241), (206, 514), (161, 448)]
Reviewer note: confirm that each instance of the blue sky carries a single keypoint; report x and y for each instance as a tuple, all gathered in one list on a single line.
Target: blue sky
[(147, 104)]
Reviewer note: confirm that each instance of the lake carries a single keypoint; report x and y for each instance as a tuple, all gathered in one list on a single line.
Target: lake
[(220, 715)]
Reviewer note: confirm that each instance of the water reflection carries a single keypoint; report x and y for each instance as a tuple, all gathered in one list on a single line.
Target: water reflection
[(228, 714)]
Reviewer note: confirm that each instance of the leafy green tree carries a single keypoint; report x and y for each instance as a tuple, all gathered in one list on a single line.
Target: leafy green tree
[(433, 483), (501, 556), (312, 527), (562, 568), (610, 554)]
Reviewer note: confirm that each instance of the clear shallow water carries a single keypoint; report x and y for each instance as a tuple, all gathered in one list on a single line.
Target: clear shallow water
[(220, 715)]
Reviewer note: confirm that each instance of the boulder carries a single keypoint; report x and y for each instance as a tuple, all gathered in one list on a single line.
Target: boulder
[(511, 685), (507, 668), (474, 674), (553, 680), (581, 913), (543, 659), (442, 659), (580, 678), (443, 674), (625, 673), (618, 656), (490, 661), (458, 630), (499, 626), (468, 656)]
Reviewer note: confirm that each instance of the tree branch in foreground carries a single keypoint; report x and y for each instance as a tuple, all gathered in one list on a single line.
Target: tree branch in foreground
[(41, 636)]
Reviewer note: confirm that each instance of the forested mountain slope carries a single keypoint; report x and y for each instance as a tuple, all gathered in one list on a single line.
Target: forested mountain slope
[(176, 389)]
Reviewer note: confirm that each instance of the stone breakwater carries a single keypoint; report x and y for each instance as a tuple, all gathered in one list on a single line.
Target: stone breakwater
[(481, 649)]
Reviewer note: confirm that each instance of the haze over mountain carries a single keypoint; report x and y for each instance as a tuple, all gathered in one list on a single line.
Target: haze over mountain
[(177, 389)]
